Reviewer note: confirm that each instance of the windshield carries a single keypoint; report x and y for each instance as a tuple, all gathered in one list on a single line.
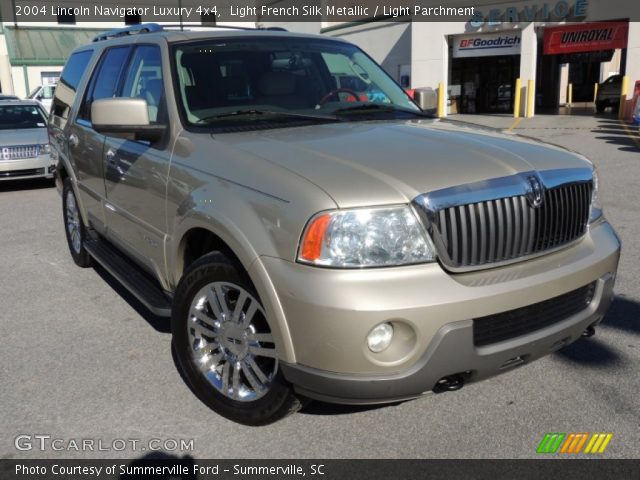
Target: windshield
[(14, 117), (257, 79)]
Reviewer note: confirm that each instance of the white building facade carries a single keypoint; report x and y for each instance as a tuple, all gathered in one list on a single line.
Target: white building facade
[(553, 43)]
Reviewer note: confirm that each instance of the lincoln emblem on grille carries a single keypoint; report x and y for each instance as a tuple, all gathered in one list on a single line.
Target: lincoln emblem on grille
[(534, 194)]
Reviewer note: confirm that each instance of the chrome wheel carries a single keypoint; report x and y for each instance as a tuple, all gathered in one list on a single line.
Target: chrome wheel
[(73, 222), (230, 341)]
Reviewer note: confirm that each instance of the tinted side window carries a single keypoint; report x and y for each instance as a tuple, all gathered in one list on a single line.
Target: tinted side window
[(75, 67), (104, 82), (144, 80), (66, 90)]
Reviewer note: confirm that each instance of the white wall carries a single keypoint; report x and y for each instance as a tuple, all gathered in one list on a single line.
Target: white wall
[(34, 76), (388, 43), (633, 56), (6, 82), (528, 56)]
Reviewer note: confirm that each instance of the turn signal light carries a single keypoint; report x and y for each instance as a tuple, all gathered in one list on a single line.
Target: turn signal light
[(311, 247)]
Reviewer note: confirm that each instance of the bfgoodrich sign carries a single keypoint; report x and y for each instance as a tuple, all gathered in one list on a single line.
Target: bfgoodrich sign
[(503, 43)]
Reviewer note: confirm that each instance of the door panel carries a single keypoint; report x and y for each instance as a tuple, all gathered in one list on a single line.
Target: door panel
[(85, 152), (85, 144), (136, 172), (135, 182)]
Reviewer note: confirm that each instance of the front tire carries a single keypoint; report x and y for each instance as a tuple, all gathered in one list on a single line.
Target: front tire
[(224, 346), (74, 228)]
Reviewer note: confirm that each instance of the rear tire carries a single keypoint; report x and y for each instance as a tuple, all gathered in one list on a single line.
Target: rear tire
[(223, 344), (74, 228), (600, 107)]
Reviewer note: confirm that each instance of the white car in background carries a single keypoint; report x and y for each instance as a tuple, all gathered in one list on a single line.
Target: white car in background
[(24, 143), (43, 94)]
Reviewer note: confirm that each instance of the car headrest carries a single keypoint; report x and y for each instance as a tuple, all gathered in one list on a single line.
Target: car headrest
[(277, 83), (190, 60)]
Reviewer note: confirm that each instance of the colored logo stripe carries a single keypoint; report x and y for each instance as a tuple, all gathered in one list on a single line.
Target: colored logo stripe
[(598, 443), (550, 442), (573, 443)]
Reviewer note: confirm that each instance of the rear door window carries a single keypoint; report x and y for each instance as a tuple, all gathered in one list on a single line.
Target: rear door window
[(75, 67), (65, 93)]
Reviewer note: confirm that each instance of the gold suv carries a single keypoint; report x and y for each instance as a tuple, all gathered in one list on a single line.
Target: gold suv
[(312, 237)]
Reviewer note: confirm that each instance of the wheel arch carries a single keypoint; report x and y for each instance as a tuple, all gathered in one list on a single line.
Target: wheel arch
[(198, 238)]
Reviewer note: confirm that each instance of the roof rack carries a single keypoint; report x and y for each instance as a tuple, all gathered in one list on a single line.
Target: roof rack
[(130, 30), (188, 27), (154, 27)]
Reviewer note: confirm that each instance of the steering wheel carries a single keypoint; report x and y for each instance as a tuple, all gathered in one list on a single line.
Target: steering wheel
[(335, 92)]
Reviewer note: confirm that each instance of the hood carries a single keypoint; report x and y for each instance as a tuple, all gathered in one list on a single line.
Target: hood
[(23, 136), (382, 162)]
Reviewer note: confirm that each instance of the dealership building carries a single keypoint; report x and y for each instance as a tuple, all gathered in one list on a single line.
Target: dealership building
[(553, 43)]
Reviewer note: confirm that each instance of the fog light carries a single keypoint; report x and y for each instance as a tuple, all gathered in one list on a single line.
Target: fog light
[(380, 337)]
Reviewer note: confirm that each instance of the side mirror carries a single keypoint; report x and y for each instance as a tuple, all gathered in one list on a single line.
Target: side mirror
[(426, 98), (125, 118)]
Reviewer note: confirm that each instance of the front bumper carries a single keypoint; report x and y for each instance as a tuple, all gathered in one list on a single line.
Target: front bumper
[(450, 353), (329, 313), (38, 167)]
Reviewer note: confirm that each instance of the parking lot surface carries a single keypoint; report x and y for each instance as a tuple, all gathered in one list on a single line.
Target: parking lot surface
[(82, 359)]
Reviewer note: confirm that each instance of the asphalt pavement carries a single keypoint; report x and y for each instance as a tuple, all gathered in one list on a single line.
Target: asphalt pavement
[(82, 360)]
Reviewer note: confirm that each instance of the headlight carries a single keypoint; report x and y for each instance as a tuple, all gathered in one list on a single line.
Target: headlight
[(45, 149), (596, 207), (365, 237)]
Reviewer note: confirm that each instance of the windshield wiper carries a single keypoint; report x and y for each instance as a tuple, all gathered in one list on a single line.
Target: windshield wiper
[(381, 108), (243, 113)]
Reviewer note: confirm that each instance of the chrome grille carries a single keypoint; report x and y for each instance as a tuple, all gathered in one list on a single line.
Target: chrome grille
[(494, 222), (18, 152)]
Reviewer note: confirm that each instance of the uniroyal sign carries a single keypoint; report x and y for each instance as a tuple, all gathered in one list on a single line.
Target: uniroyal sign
[(585, 37), (486, 45)]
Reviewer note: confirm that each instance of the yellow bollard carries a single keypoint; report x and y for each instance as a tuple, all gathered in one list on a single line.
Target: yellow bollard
[(530, 98), (516, 99), (623, 97), (595, 92), (569, 94), (440, 100)]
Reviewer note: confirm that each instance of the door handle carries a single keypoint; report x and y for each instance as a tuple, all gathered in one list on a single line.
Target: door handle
[(111, 157), (73, 140)]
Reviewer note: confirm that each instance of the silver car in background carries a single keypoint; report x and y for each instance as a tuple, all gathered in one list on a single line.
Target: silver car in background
[(24, 144)]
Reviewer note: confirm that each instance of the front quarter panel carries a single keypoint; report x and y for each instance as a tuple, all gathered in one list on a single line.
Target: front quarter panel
[(255, 207)]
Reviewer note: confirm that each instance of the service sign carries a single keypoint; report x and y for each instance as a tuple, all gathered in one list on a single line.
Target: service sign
[(585, 37), (486, 45)]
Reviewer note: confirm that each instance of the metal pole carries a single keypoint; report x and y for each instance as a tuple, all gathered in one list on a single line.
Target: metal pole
[(440, 100), (569, 94), (530, 98), (516, 98), (595, 92), (623, 97), (15, 20)]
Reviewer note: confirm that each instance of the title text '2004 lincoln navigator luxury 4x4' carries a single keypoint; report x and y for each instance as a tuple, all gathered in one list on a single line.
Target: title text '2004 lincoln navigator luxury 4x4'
[(314, 240)]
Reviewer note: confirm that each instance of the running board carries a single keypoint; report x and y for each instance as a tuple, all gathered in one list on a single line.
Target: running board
[(138, 283)]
